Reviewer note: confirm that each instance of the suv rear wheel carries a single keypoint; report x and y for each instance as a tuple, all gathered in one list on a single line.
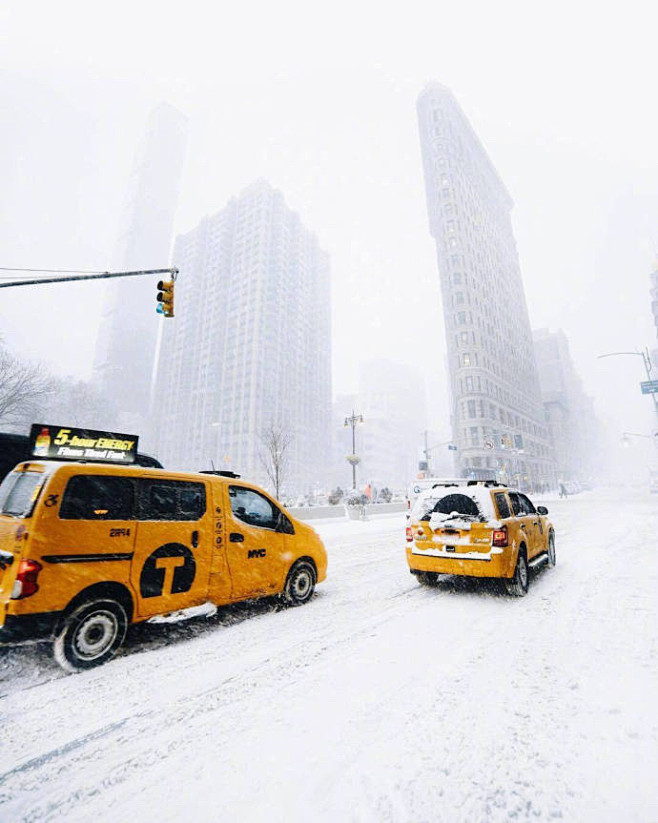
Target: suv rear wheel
[(518, 585), (551, 551), (90, 635)]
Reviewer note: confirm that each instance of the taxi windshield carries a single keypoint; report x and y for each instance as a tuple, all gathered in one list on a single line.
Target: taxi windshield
[(18, 492)]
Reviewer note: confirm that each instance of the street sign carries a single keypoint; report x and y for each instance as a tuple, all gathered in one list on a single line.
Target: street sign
[(488, 443), (649, 387)]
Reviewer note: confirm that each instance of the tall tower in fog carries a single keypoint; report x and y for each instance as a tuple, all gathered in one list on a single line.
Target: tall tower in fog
[(497, 417), (125, 350), (250, 344), (654, 295)]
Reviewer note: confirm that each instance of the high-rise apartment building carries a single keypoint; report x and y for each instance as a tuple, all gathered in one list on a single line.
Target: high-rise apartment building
[(654, 295), (250, 344), (125, 350), (497, 417), (573, 427)]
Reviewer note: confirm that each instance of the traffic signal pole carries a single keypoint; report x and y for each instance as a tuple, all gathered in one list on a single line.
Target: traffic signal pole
[(106, 275)]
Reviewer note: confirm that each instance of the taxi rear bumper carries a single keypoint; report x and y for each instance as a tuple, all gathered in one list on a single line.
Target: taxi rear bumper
[(22, 628), (497, 562)]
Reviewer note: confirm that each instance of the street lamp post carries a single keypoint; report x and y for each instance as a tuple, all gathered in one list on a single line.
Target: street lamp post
[(646, 359), (352, 458)]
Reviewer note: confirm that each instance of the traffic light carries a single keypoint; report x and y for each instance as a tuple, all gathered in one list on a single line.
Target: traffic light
[(165, 298)]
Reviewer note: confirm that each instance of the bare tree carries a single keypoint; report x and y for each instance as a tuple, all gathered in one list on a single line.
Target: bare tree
[(23, 386), (274, 455), (76, 403)]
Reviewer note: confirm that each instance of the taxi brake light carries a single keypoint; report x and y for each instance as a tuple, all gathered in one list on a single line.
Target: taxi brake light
[(410, 536), (500, 537), (26, 579)]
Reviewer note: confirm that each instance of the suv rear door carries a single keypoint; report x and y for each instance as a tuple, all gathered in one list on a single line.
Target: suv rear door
[(459, 527), (535, 526), (527, 518)]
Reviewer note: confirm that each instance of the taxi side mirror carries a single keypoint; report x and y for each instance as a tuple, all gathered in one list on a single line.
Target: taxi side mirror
[(542, 510)]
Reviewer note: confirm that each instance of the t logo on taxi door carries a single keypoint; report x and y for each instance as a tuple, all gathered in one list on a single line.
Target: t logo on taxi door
[(168, 570)]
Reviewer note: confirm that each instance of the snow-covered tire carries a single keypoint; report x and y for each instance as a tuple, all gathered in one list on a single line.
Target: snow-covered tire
[(551, 551), (427, 578), (300, 584), (90, 635), (517, 586)]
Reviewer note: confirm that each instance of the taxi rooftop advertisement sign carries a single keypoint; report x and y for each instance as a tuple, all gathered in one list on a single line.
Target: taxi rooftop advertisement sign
[(58, 443)]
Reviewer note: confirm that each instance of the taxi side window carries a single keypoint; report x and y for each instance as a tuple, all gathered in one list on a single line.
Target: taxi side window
[(252, 508), (516, 504), (502, 505), (528, 507), (284, 525), (171, 500), (98, 497)]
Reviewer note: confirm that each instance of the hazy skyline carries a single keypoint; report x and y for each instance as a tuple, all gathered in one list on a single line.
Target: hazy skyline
[(322, 104)]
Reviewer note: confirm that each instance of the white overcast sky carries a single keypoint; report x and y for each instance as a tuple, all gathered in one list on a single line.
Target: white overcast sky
[(320, 100)]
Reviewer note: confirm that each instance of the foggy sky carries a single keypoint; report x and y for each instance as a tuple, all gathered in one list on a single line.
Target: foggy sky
[(321, 102)]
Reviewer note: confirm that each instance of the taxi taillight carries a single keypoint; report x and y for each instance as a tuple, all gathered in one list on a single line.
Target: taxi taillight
[(500, 537), (26, 579), (410, 535)]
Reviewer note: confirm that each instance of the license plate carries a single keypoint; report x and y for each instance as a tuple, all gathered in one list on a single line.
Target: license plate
[(450, 548)]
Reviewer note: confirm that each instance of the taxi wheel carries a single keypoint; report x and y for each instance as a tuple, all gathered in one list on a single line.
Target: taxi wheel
[(427, 578), (90, 635), (300, 584), (518, 585), (551, 551)]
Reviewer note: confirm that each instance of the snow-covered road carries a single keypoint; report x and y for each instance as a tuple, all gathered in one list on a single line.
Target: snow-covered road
[(378, 701)]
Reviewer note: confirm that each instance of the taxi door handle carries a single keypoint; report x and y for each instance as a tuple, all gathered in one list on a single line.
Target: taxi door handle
[(535, 522), (236, 537), (195, 539), (523, 525)]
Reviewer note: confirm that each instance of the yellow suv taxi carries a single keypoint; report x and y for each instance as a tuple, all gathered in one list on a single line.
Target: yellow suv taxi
[(87, 549), (478, 529)]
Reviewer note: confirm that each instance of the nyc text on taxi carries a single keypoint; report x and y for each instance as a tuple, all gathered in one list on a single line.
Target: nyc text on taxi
[(86, 549), (478, 529)]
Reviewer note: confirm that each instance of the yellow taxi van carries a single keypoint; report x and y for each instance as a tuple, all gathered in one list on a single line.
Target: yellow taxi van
[(87, 548), (478, 528)]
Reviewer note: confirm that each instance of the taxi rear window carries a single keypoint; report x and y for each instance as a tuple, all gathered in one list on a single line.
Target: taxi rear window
[(453, 503), (18, 493)]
